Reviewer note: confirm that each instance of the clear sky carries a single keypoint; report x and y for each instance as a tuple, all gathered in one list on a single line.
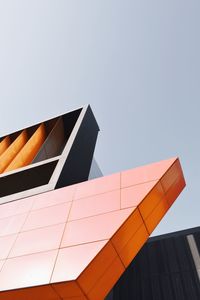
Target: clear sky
[(137, 62)]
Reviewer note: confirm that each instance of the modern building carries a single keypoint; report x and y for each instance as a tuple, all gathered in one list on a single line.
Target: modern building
[(67, 232), (167, 267)]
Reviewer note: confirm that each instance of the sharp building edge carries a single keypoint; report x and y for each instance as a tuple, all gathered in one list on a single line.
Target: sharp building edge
[(69, 233)]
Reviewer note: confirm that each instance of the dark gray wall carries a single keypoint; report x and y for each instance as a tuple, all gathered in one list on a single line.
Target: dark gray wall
[(78, 163), (164, 269)]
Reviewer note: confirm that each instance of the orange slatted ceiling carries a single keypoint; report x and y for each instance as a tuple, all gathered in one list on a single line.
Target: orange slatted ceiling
[(5, 143), (26, 155), (9, 154)]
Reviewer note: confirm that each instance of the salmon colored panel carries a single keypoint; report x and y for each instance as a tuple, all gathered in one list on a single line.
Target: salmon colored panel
[(29, 151), (175, 190), (44, 292), (12, 150), (1, 263), (12, 225), (51, 215), (54, 197), (43, 239), (132, 196), (5, 143), (134, 245), (8, 209), (68, 289), (96, 246), (6, 243), (28, 270), (15, 208), (154, 218), (127, 230), (146, 173), (72, 261), (92, 229), (94, 271), (98, 186), (172, 174), (107, 281), (24, 205), (151, 200), (95, 205)]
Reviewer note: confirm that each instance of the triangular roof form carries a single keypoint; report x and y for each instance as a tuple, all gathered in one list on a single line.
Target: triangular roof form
[(76, 241)]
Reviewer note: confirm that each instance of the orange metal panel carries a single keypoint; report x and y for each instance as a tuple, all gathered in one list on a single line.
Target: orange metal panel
[(68, 289), (10, 153), (154, 218), (151, 200), (76, 298), (171, 175), (109, 278), (92, 274), (5, 143), (29, 151), (127, 230), (134, 245), (175, 190)]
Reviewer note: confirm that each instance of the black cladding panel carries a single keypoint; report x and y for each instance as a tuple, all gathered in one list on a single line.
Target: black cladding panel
[(164, 269)]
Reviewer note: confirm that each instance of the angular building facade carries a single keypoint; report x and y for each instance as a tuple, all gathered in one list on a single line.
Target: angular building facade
[(64, 235), (167, 267)]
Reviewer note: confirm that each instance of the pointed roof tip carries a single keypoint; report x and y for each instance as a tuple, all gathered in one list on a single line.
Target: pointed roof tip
[(170, 160), (148, 172), (166, 162), (173, 158)]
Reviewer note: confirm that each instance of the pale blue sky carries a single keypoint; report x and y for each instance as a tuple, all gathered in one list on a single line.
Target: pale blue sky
[(136, 62)]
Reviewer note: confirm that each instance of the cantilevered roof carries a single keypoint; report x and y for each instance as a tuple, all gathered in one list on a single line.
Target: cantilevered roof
[(76, 241)]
